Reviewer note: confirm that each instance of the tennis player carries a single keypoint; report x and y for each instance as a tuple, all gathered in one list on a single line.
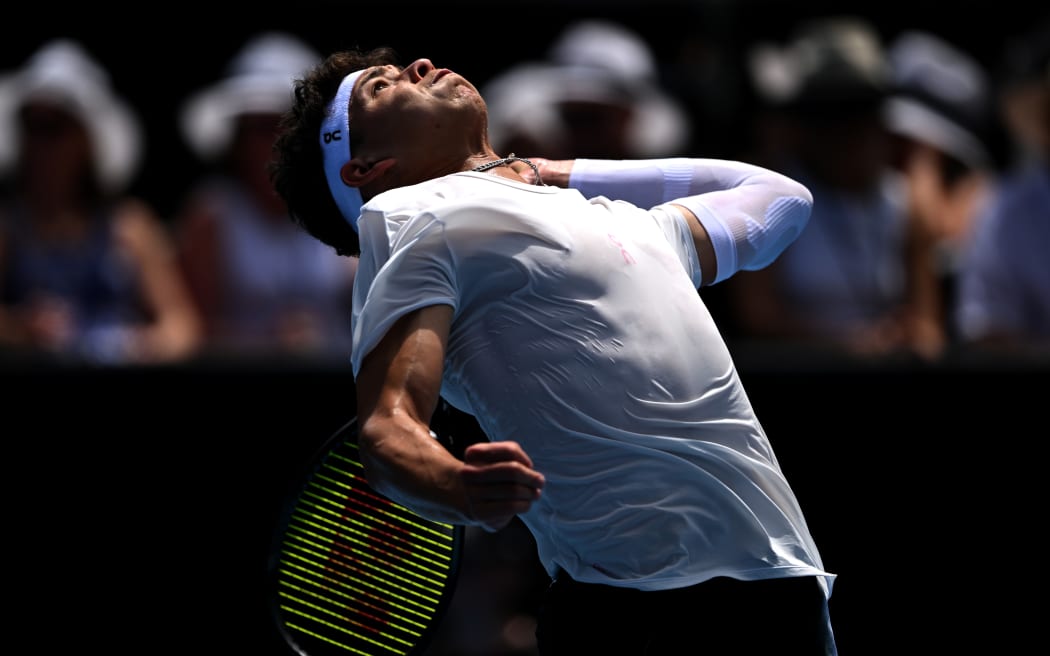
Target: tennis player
[(558, 303)]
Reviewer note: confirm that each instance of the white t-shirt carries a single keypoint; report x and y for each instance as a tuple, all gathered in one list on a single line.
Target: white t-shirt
[(578, 332)]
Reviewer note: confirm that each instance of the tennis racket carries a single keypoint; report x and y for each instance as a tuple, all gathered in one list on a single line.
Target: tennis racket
[(353, 572)]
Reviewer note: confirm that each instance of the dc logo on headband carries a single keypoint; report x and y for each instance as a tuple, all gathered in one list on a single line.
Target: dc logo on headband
[(329, 137)]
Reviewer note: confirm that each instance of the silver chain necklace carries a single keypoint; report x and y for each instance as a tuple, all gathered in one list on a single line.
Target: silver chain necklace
[(507, 160)]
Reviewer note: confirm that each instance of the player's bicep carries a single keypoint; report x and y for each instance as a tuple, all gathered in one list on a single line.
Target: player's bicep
[(401, 375)]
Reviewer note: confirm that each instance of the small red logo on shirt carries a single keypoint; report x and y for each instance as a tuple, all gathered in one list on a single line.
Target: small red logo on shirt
[(627, 257)]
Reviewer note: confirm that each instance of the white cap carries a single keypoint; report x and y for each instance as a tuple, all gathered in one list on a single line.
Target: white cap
[(941, 97), (828, 62)]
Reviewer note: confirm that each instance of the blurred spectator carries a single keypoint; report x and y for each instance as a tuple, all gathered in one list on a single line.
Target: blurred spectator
[(86, 271), (599, 94), (846, 282), (940, 116), (263, 286), (1004, 290)]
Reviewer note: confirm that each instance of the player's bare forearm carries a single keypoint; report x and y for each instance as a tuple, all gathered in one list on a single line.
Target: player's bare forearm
[(405, 463), (398, 386), (494, 482)]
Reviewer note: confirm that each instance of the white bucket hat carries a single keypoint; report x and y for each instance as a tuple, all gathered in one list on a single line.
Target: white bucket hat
[(62, 71), (258, 80), (593, 60)]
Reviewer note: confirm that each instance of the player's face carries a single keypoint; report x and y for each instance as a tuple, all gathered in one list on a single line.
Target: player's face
[(418, 107)]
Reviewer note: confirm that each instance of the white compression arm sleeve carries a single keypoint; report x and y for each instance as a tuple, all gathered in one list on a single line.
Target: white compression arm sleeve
[(750, 213)]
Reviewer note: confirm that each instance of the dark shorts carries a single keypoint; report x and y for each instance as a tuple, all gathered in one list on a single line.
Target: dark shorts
[(720, 617)]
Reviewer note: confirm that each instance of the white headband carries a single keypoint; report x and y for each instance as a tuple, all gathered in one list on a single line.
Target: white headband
[(335, 144)]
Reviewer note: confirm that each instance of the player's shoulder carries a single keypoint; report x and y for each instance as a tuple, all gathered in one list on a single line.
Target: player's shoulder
[(423, 196)]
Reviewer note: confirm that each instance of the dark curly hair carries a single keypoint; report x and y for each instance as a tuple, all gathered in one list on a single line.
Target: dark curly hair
[(297, 169)]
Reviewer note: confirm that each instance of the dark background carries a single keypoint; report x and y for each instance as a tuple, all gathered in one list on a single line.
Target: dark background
[(141, 501)]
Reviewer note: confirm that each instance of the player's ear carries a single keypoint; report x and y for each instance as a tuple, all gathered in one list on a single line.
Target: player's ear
[(358, 172)]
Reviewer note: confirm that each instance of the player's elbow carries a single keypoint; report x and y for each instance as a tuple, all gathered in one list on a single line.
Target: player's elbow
[(787, 187)]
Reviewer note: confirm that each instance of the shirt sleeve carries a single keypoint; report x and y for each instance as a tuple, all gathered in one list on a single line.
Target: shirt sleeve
[(675, 228), (417, 273)]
